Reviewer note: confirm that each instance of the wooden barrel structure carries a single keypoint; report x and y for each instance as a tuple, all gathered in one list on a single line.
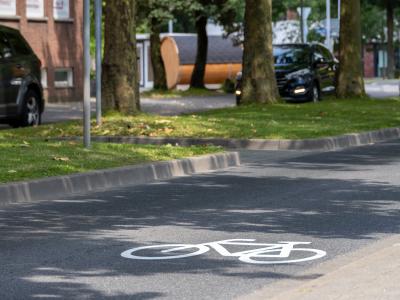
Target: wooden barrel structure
[(224, 59)]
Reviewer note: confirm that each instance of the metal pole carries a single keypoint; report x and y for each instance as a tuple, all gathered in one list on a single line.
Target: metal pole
[(98, 8), (86, 73), (328, 25), (170, 26), (339, 4), (302, 21)]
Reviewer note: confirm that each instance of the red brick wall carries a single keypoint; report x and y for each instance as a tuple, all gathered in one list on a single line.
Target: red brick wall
[(57, 43), (369, 61)]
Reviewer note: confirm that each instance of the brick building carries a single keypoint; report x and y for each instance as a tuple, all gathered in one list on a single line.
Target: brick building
[(53, 28)]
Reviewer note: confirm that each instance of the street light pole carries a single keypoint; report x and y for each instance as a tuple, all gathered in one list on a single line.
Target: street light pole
[(98, 17), (302, 20), (328, 42), (86, 73)]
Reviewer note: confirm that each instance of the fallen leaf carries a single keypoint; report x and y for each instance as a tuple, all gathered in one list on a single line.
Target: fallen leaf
[(163, 122), (59, 158)]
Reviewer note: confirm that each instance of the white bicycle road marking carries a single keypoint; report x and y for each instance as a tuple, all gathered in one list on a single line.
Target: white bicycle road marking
[(278, 253)]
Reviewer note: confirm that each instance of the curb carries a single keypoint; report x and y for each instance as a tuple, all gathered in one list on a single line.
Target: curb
[(322, 144), (62, 186)]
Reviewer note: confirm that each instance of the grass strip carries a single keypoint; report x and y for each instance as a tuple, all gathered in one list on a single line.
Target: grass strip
[(34, 158), (280, 121)]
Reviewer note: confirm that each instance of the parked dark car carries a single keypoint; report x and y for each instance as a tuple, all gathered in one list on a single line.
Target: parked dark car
[(21, 93), (303, 72)]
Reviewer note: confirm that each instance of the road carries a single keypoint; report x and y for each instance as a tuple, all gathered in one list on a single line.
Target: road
[(71, 248), (383, 88)]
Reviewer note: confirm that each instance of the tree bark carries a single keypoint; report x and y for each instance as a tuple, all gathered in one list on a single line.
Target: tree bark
[(390, 46), (259, 82), (120, 78), (350, 79), (160, 79), (197, 80)]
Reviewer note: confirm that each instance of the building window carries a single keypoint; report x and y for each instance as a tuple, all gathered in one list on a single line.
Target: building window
[(8, 8), (34, 8), (43, 75), (61, 9), (63, 78)]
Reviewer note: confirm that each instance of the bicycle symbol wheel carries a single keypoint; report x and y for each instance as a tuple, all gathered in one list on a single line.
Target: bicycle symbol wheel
[(171, 251), (257, 258)]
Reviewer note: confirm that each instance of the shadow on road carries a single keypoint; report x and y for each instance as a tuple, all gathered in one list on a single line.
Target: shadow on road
[(86, 228)]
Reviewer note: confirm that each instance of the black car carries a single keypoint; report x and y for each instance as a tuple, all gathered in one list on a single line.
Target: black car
[(21, 93), (303, 72)]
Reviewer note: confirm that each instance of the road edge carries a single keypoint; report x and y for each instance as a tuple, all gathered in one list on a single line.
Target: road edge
[(320, 144), (62, 186)]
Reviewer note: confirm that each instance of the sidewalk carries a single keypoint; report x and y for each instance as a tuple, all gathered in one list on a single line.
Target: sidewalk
[(372, 273)]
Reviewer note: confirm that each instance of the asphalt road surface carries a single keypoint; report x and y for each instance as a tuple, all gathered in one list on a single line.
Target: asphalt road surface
[(71, 248)]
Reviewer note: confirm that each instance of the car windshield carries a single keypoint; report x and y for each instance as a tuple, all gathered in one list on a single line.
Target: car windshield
[(291, 55)]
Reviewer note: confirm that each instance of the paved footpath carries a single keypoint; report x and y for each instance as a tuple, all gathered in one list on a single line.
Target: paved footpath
[(341, 202), (368, 274)]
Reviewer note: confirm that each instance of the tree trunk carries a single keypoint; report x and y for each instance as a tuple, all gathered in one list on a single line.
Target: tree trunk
[(351, 80), (259, 82), (160, 79), (390, 46), (120, 78), (197, 80)]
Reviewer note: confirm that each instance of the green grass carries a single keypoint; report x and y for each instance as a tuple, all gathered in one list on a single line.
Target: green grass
[(30, 153), (34, 158), (170, 94), (280, 121)]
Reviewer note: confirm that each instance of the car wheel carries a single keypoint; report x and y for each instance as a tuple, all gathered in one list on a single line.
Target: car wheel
[(30, 113)]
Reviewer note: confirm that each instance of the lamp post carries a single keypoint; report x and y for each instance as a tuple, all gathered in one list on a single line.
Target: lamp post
[(86, 74), (328, 41), (302, 20), (98, 17)]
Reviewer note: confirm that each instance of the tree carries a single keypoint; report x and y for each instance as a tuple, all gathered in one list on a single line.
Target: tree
[(259, 83), (350, 79), (221, 11), (120, 77), (155, 14), (197, 80), (389, 6)]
